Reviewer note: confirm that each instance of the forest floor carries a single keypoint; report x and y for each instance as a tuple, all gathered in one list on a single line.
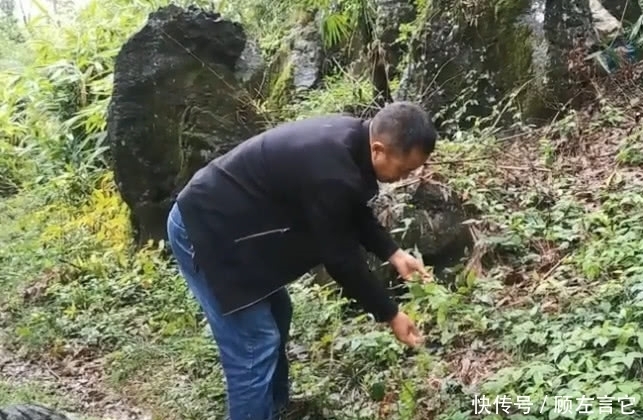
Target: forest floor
[(549, 303)]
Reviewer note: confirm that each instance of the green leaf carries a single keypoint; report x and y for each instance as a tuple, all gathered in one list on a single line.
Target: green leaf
[(606, 389), (556, 351), (601, 341), (378, 391), (629, 358), (628, 387), (538, 338)]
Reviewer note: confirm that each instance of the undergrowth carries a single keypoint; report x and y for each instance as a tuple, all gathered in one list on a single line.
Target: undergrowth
[(544, 314)]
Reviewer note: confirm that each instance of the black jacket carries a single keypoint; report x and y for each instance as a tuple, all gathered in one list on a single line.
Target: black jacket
[(284, 201)]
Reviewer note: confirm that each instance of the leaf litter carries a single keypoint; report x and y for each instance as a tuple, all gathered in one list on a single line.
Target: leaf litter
[(79, 378)]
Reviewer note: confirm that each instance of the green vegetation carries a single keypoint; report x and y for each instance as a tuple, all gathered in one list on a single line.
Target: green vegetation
[(549, 303)]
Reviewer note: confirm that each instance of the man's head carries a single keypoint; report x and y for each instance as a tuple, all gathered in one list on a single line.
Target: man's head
[(402, 137)]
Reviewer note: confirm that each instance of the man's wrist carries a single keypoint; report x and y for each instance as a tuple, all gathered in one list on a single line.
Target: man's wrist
[(395, 256), (387, 312), (392, 320), (390, 316), (387, 249)]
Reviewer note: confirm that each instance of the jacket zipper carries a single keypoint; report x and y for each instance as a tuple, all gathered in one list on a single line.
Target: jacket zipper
[(267, 232)]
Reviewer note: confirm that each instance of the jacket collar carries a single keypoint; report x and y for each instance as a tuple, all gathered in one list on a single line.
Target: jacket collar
[(362, 155)]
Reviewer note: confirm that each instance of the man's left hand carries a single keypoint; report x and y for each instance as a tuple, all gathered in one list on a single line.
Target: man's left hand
[(406, 265)]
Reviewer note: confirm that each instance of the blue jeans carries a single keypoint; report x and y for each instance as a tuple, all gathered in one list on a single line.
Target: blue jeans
[(251, 341)]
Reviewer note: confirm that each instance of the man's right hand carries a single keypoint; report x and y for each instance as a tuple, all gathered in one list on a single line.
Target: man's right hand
[(405, 330)]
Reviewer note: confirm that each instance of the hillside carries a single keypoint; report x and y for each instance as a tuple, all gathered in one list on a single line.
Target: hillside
[(548, 304)]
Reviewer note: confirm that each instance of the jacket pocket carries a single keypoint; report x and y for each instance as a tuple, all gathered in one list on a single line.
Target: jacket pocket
[(281, 253), (266, 248), (262, 234)]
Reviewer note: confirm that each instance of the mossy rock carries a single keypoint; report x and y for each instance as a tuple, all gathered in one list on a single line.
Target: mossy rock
[(480, 54), (280, 87), (170, 114), (296, 67), (421, 216)]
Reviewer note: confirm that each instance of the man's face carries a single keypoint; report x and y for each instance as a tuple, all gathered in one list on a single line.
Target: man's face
[(392, 165)]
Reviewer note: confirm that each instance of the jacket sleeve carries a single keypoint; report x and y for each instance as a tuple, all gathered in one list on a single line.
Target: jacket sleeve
[(328, 208), (373, 236)]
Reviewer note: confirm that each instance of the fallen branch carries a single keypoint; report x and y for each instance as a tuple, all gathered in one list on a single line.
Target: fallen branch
[(524, 168), (448, 162)]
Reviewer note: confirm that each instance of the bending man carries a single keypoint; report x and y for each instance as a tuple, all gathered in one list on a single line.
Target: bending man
[(273, 208)]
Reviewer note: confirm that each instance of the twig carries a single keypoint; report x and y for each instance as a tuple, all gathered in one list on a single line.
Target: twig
[(524, 168), (445, 162), (551, 270), (412, 182), (51, 371)]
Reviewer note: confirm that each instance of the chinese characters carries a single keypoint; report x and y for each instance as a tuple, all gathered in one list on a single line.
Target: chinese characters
[(561, 404)]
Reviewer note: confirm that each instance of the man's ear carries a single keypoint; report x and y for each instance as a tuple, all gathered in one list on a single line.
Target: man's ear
[(378, 146)]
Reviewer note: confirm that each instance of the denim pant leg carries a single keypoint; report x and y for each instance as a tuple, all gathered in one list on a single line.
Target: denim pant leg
[(248, 340), (281, 307)]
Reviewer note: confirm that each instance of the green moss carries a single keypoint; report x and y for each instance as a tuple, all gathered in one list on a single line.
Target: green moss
[(497, 45), (513, 56), (512, 51), (509, 50), (280, 91), (506, 11), (280, 81), (492, 25)]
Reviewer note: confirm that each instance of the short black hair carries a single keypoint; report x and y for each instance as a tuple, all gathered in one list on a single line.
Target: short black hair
[(406, 125)]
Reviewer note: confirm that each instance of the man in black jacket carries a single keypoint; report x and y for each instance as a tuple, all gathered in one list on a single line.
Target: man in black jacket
[(277, 205)]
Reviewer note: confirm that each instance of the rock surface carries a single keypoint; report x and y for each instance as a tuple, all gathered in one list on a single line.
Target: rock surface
[(627, 11), (480, 55), (306, 56), (424, 218), (30, 412), (605, 23), (390, 15), (181, 96)]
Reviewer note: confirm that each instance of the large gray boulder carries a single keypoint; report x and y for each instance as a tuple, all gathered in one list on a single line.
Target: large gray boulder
[(466, 60), (183, 94)]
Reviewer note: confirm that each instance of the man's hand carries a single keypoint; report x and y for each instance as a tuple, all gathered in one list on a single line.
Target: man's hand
[(406, 265), (405, 330)]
